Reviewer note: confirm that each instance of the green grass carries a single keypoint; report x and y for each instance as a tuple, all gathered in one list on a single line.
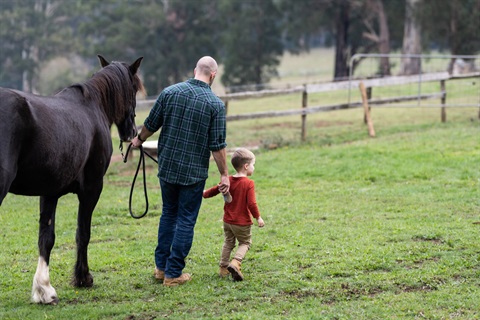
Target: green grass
[(356, 228)]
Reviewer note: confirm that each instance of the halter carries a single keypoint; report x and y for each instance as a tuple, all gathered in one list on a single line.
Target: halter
[(141, 161)]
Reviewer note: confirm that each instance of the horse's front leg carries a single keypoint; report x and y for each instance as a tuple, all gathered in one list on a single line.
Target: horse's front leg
[(42, 291), (88, 201)]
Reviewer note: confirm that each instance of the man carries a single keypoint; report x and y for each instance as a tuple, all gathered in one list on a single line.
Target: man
[(193, 124)]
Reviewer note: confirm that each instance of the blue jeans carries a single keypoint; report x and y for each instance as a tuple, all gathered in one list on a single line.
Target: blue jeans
[(175, 231)]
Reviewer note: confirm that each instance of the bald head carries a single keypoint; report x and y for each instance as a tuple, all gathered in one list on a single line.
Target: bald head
[(206, 69)]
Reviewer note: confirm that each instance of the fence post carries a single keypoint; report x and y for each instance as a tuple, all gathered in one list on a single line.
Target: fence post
[(304, 115), (371, 130), (443, 100), (226, 107), (369, 96)]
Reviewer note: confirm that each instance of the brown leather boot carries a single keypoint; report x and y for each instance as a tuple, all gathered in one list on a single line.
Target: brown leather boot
[(172, 282), (235, 268), (223, 272), (159, 274)]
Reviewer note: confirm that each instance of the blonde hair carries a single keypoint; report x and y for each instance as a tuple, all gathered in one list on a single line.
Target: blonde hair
[(242, 156)]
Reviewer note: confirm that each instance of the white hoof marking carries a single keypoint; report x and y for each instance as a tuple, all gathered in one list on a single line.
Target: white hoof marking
[(42, 291)]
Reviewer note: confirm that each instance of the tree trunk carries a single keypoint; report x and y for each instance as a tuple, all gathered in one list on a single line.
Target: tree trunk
[(384, 45), (411, 41), (341, 47)]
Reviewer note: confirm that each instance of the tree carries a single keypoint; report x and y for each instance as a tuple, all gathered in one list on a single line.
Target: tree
[(171, 35), (31, 32), (358, 26), (411, 40), (452, 25), (251, 42), (380, 37)]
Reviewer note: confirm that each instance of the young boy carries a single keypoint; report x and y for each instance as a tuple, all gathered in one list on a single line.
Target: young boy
[(240, 206)]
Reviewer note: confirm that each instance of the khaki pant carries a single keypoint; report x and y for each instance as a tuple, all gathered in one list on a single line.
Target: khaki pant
[(233, 233)]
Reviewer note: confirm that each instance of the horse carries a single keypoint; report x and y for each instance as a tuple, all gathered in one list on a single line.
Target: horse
[(55, 145)]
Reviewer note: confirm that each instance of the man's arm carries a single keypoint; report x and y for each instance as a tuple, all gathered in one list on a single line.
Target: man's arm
[(141, 137), (220, 157)]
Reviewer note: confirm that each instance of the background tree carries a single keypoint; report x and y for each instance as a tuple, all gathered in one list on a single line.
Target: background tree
[(31, 32), (452, 25), (248, 37), (184, 34), (376, 15), (252, 44), (411, 39), (357, 26)]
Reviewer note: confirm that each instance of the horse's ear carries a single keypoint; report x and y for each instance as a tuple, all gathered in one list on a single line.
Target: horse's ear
[(134, 66), (103, 61)]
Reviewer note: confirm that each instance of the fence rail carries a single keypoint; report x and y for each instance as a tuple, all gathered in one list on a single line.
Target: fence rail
[(368, 84)]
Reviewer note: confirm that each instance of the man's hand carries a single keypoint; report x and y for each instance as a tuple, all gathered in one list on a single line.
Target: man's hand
[(136, 142), (220, 158), (224, 185)]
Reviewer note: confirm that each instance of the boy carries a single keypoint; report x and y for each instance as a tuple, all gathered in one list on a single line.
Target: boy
[(240, 206)]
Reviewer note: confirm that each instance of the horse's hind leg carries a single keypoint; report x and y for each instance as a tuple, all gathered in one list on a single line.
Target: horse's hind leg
[(88, 201), (7, 174), (42, 291)]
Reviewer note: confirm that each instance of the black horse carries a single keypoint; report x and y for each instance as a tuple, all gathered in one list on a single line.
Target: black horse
[(51, 146)]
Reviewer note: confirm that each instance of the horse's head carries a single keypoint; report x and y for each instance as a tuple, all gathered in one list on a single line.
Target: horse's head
[(125, 84)]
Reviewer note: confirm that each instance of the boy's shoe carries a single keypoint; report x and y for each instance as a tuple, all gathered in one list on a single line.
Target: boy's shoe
[(159, 274), (235, 268), (223, 272), (172, 282)]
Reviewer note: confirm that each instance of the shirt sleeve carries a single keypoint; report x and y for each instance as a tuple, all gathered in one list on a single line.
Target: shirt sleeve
[(212, 192), (252, 201), (155, 119), (218, 130)]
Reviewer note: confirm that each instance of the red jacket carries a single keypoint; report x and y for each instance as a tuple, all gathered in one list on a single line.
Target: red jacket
[(244, 203)]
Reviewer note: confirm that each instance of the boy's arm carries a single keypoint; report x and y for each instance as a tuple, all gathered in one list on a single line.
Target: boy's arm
[(260, 222), (252, 201), (212, 192)]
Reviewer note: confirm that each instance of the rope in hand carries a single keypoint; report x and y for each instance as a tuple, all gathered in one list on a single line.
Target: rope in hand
[(141, 161)]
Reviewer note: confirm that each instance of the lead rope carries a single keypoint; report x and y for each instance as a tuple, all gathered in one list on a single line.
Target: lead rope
[(141, 161)]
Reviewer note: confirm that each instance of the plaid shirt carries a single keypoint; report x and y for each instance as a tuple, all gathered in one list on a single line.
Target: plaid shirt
[(193, 123)]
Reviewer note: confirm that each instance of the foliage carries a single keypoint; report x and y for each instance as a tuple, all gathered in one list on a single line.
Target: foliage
[(452, 24), (172, 36), (246, 37), (251, 42), (31, 32), (352, 23)]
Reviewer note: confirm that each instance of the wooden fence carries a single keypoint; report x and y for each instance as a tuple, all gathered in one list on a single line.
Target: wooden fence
[(367, 84)]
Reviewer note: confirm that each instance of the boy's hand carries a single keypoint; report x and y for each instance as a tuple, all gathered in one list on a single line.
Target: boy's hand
[(260, 222), (227, 197)]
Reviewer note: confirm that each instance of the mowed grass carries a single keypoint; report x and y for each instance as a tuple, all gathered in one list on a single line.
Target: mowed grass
[(356, 227)]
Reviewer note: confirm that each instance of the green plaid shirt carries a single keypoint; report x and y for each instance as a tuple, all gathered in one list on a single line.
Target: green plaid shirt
[(192, 119)]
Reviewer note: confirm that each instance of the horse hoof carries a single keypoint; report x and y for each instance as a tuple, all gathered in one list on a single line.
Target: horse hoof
[(54, 301), (86, 282)]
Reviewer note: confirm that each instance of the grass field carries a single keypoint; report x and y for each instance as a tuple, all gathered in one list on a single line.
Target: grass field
[(356, 228)]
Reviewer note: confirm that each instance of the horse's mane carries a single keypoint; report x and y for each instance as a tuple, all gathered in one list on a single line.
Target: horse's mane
[(113, 87)]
